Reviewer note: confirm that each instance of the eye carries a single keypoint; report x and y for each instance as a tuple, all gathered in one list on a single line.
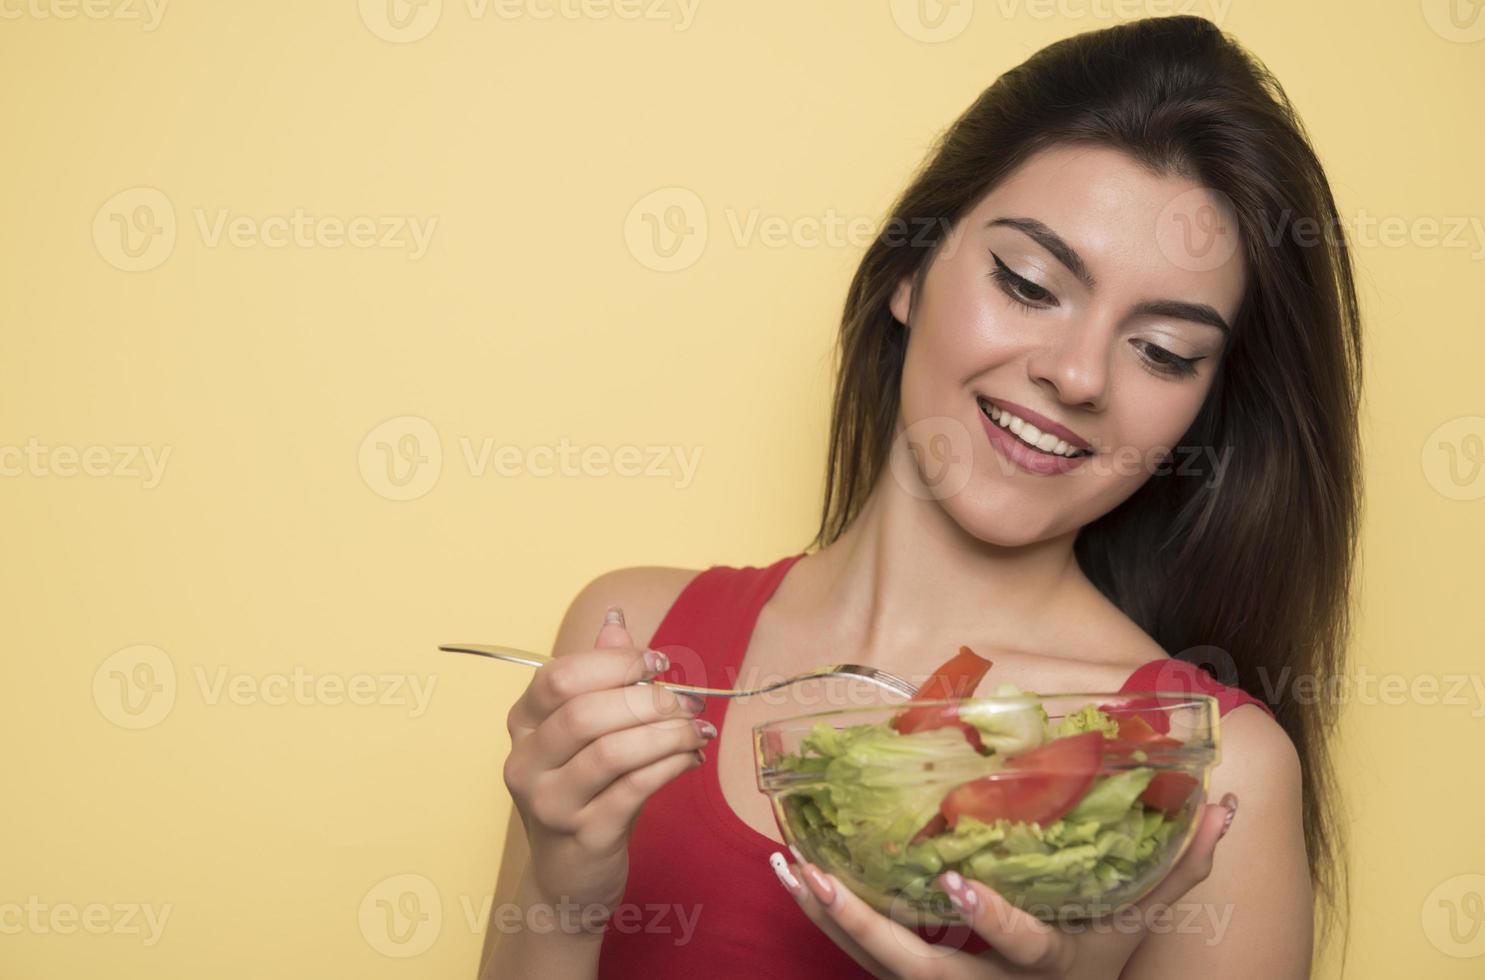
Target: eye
[(1164, 362), (1021, 290)]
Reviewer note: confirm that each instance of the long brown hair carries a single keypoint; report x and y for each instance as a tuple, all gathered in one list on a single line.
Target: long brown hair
[(1259, 563)]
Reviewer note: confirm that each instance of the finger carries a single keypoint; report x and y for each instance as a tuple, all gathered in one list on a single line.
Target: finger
[(893, 945), (612, 813), (600, 763), (1196, 864), (1014, 934), (613, 633), (588, 717), (793, 880), (564, 678)]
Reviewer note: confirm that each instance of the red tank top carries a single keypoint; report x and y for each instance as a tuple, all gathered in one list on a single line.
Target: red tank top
[(701, 899)]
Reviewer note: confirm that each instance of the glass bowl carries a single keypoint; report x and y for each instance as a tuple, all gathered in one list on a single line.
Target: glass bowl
[(871, 805)]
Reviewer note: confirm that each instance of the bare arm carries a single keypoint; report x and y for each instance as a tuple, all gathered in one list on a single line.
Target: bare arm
[(645, 594), (1253, 916)]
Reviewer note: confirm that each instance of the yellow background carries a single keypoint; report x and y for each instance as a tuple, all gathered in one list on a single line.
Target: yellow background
[(272, 546)]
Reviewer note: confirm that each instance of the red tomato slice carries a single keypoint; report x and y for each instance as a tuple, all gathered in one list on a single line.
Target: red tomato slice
[(1136, 733), (773, 745), (1068, 766), (1168, 791), (937, 716), (957, 678), (1135, 729)]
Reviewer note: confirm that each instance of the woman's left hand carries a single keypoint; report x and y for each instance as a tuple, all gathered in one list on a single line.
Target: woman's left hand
[(1022, 946)]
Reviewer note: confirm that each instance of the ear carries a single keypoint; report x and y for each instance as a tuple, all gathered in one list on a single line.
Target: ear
[(902, 299)]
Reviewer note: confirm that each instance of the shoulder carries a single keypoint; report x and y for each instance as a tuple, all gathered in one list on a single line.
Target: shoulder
[(1258, 900), (1264, 853), (644, 592), (1258, 754)]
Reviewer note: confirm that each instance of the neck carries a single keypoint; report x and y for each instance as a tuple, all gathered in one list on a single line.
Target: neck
[(905, 578)]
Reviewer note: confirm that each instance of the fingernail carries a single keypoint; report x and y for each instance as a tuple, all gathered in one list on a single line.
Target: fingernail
[(695, 705), (614, 616), (786, 878), (1230, 801), (960, 894), (820, 885), (705, 728), (656, 661)]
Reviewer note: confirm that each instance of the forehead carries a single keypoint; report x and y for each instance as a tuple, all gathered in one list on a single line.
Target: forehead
[(1141, 234)]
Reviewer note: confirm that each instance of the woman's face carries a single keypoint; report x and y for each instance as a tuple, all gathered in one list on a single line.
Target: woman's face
[(1086, 296)]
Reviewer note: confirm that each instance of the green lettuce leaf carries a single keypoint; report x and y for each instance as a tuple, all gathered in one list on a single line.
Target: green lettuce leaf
[(1008, 730), (883, 794), (1086, 719), (1111, 797)]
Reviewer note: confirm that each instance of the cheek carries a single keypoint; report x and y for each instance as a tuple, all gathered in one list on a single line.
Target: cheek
[(1156, 414), (1153, 418), (961, 337)]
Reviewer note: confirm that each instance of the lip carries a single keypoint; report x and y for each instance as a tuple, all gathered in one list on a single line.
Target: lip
[(1032, 460), (1042, 423)]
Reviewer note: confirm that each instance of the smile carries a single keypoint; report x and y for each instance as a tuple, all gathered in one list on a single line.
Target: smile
[(1051, 443)]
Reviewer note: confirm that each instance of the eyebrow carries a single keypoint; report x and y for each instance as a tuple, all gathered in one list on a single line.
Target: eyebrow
[(1068, 256)]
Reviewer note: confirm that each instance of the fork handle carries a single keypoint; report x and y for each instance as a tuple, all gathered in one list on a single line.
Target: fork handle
[(511, 654), (530, 659)]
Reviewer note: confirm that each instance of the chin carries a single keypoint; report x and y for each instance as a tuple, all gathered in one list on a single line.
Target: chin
[(1003, 526)]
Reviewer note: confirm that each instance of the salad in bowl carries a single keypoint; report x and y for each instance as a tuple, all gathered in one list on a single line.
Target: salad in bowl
[(1068, 805)]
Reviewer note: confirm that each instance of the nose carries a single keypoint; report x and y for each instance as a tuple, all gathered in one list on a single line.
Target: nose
[(1075, 366)]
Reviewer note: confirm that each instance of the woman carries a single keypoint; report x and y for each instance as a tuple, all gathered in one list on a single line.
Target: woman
[(1095, 405)]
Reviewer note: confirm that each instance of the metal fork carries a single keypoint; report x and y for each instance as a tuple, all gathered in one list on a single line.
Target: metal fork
[(881, 678)]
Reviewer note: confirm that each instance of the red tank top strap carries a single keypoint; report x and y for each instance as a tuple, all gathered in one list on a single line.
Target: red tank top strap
[(705, 632), (1183, 677), (717, 606)]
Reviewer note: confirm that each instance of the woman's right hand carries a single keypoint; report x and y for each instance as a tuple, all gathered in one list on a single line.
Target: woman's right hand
[(588, 748)]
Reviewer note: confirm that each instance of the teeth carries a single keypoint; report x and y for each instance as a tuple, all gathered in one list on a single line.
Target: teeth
[(1029, 433)]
